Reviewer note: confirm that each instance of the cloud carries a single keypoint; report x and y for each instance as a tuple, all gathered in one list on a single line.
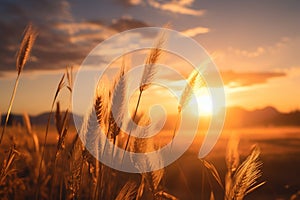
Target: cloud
[(195, 31), (281, 54), (62, 41), (178, 7), (263, 50), (87, 33), (52, 50), (126, 23), (230, 78), (250, 54), (37, 11), (131, 2), (239, 79), (77, 27), (50, 43)]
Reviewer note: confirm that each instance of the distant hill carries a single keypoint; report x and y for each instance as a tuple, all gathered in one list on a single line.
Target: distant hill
[(41, 119), (268, 116), (235, 117)]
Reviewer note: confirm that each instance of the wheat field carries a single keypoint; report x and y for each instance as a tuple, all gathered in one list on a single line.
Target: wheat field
[(51, 162)]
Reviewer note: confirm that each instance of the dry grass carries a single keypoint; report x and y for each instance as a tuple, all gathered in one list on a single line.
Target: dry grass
[(68, 171)]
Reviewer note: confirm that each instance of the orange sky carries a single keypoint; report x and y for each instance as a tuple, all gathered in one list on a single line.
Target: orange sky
[(258, 59)]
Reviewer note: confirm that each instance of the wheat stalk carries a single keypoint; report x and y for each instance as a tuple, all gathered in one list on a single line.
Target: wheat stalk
[(149, 72), (59, 87), (232, 161), (232, 154), (128, 191), (99, 109), (150, 68), (153, 178), (140, 190), (117, 104), (213, 176), (62, 125), (245, 178), (31, 133), (7, 163), (195, 81), (30, 35), (22, 57), (75, 168), (69, 72), (164, 195), (62, 132), (117, 107)]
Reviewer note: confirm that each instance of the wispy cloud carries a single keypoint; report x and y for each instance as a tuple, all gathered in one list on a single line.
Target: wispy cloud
[(239, 79), (179, 7), (126, 23), (279, 54), (236, 79), (87, 33), (262, 50), (195, 31), (132, 2), (250, 54)]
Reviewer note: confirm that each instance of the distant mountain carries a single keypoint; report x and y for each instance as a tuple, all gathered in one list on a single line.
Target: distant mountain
[(268, 116), (41, 119), (235, 117)]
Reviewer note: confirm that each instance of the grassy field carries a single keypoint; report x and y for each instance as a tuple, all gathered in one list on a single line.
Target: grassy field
[(51, 162), (186, 178)]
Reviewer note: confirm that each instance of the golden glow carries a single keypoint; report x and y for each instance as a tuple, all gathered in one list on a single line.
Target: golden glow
[(204, 104)]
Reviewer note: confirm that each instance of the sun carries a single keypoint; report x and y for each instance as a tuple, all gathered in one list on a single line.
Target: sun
[(204, 104)]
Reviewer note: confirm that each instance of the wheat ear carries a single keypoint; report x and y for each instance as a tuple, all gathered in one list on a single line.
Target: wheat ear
[(194, 81), (245, 178), (149, 72), (128, 191), (30, 35), (117, 104), (117, 107), (232, 162), (75, 168), (150, 68), (22, 57)]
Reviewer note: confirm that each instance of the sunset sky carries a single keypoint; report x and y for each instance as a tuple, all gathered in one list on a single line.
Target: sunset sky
[(255, 44)]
